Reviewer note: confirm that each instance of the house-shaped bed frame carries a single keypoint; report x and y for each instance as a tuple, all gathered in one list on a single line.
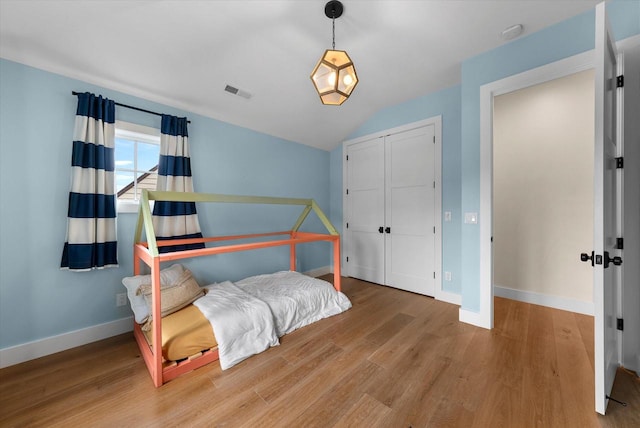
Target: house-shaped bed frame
[(147, 252)]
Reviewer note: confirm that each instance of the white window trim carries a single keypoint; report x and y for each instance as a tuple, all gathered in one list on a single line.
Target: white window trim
[(142, 133), (137, 132)]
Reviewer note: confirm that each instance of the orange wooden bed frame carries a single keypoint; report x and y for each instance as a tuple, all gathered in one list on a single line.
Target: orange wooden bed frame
[(147, 252)]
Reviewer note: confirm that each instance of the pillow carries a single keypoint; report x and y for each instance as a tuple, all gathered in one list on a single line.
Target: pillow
[(138, 305), (174, 295)]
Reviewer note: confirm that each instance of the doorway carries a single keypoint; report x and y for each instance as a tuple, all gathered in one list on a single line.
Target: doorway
[(543, 192), (546, 73)]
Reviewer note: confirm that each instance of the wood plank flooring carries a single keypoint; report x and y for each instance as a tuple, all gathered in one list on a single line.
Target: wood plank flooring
[(395, 359)]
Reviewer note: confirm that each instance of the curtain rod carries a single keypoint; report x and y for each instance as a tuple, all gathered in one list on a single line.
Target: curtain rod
[(130, 107)]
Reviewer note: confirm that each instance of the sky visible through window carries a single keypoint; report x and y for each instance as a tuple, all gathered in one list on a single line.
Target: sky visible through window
[(133, 158)]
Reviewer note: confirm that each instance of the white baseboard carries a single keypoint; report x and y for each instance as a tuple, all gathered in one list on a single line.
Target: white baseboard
[(319, 271), (50, 345), (556, 302)]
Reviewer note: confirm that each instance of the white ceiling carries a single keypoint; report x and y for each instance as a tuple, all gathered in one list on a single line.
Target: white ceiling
[(183, 53)]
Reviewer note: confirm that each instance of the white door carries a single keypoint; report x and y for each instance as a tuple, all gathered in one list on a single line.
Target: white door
[(606, 275), (365, 205), (410, 216)]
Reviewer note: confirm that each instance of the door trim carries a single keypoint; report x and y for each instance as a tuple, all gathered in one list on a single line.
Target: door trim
[(545, 73), (436, 121)]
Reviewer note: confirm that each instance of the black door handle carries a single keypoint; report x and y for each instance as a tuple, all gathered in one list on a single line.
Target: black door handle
[(388, 230), (381, 229), (615, 260), (586, 257)]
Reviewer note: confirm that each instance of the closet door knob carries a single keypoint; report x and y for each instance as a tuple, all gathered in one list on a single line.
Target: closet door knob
[(388, 230), (381, 229)]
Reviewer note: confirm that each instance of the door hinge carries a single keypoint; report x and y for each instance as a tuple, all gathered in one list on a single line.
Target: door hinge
[(347, 157), (434, 139), (347, 225), (434, 229), (434, 275), (620, 162), (620, 81), (434, 184), (347, 259), (347, 191), (620, 243), (620, 324)]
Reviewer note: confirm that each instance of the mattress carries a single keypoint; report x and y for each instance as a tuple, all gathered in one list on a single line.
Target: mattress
[(185, 333)]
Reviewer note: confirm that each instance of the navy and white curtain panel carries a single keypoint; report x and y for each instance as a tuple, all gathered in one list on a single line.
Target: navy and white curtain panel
[(175, 220), (91, 218)]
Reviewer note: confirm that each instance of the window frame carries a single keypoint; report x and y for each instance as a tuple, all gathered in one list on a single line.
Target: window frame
[(138, 134)]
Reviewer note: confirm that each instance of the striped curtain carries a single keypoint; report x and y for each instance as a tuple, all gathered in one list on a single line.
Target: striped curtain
[(175, 220), (91, 218)]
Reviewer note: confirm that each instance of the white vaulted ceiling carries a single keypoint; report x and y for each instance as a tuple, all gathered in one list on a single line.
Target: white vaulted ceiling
[(183, 53)]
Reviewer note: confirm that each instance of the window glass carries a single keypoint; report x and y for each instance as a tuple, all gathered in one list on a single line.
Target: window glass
[(148, 155), (137, 149)]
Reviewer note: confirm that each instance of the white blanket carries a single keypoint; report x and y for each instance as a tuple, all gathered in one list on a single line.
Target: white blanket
[(296, 300), (242, 324), (248, 317)]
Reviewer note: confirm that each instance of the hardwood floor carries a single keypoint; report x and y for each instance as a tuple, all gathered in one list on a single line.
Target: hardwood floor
[(395, 359)]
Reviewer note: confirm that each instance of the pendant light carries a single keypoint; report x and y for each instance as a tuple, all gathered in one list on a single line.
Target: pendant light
[(334, 77)]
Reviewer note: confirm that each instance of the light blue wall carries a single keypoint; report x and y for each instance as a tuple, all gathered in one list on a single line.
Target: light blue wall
[(37, 299), (447, 104), (570, 37)]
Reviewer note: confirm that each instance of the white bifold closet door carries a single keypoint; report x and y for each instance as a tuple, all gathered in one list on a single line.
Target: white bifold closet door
[(391, 218)]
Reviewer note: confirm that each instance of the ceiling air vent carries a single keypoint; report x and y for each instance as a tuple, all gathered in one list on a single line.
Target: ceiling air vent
[(238, 92)]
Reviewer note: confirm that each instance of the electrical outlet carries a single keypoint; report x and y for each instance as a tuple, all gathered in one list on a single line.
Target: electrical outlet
[(447, 276), (447, 216), (121, 299)]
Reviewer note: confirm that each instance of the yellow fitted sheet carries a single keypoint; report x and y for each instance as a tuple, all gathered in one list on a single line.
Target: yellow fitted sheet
[(185, 333)]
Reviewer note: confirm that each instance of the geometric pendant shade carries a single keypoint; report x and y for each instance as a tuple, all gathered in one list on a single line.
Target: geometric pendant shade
[(334, 76)]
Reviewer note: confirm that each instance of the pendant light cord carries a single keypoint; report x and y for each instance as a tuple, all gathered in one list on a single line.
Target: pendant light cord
[(334, 30)]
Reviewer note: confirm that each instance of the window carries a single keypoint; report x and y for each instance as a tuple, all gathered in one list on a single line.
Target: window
[(137, 149)]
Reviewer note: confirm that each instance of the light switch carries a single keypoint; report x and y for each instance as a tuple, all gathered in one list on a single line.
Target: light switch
[(471, 218), (447, 216)]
